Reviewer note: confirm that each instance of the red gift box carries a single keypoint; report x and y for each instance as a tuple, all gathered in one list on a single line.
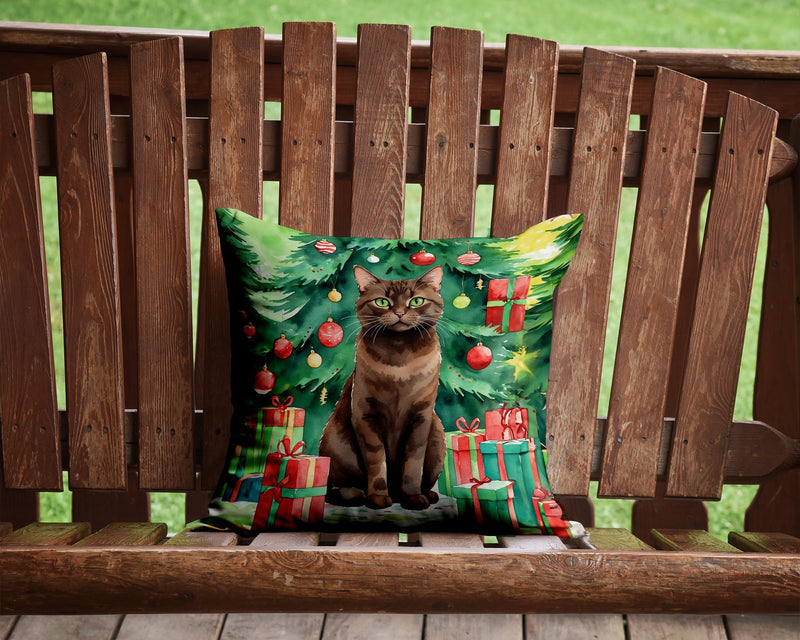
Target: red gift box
[(506, 423), (505, 308)]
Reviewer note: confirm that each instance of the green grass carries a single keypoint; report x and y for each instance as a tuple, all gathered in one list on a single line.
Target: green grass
[(751, 24)]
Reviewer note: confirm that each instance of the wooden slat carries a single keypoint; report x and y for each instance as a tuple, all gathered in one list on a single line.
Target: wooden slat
[(307, 115), (726, 273), (764, 542), (448, 194), (544, 626), (31, 452), (689, 540), (187, 538), (381, 540), (286, 539), (126, 534), (435, 540), (45, 534), (582, 306), (649, 310), (526, 123), (380, 131), (255, 626), (89, 275), (607, 539), (83, 627), (365, 626), (5, 528), (162, 266), (199, 626), (666, 513), (100, 508), (755, 627), (531, 543), (19, 507), (649, 626), (389, 580), (472, 625), (236, 120)]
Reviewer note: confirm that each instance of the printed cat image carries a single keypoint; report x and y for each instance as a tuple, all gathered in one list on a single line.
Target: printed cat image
[(384, 439)]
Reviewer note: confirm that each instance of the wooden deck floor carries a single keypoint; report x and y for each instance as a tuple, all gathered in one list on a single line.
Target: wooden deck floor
[(400, 627)]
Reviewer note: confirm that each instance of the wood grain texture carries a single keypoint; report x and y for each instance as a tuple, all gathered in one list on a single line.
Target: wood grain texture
[(755, 627), (451, 156), (380, 131), (723, 295), (473, 625), (202, 539), (77, 627), (100, 508), (689, 540), (89, 275), (126, 534), (197, 626), (38, 534), (543, 626), (650, 305), (31, 451), (607, 539), (661, 512), (526, 123), (209, 580), (581, 308), (287, 626), (764, 542), (307, 116), (166, 405), (649, 626), (236, 121), (381, 626)]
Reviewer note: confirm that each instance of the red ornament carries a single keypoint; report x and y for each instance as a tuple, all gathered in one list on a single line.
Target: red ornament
[(282, 347), (249, 330), (422, 258), (264, 381), (479, 357), (325, 246), (469, 258), (330, 333)]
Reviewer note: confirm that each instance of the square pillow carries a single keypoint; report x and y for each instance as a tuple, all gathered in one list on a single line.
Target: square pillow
[(390, 383)]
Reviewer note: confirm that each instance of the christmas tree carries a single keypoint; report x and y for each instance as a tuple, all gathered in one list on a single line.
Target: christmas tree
[(294, 324)]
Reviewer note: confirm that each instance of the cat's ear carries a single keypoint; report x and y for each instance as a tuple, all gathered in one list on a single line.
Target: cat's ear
[(364, 278), (432, 278)]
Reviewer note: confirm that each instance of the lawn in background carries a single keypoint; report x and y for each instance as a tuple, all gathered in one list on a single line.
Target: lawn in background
[(734, 24)]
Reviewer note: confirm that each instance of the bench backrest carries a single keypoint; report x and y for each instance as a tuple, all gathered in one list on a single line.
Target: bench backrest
[(147, 411)]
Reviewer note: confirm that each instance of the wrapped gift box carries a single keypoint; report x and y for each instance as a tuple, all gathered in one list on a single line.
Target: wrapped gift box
[(270, 426), (463, 457), (506, 423), (507, 299), (489, 502), (293, 488)]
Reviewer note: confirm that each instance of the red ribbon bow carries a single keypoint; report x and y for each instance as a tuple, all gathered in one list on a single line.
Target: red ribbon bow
[(461, 423), (475, 500), (282, 404), (275, 492), (285, 452)]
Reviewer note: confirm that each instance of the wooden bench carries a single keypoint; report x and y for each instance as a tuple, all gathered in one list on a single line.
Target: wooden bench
[(137, 115)]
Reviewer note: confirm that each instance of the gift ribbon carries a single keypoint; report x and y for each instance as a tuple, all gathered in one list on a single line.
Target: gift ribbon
[(461, 423), (296, 451), (282, 404), (237, 487), (507, 307), (475, 500)]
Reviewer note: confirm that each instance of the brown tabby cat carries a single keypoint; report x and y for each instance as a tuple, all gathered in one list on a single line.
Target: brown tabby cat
[(385, 442)]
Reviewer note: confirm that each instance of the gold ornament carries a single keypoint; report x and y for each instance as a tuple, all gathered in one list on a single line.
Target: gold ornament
[(479, 284), (461, 301), (334, 295), (314, 360)]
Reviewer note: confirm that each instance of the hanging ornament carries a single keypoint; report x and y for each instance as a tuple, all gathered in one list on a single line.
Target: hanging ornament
[(479, 357), (469, 258), (314, 360), (264, 381), (249, 330), (479, 284), (323, 395), (373, 258), (461, 301), (324, 246), (334, 295), (282, 347), (330, 333), (422, 258)]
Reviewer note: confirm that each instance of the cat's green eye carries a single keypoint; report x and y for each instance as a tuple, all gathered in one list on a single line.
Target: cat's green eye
[(418, 301), (383, 303)]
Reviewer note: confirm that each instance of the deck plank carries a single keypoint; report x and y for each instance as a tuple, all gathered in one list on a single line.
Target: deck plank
[(647, 627), (473, 625), (190, 626), (72, 627), (547, 626), (754, 627)]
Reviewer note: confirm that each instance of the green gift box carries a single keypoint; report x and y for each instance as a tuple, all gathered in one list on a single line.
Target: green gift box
[(489, 502), (270, 426), (520, 461)]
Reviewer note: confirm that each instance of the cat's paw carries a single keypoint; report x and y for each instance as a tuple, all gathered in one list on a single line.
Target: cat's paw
[(417, 502), (377, 501), (433, 497), (345, 496)]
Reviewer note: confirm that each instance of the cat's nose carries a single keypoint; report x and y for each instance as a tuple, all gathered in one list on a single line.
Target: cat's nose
[(400, 313)]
